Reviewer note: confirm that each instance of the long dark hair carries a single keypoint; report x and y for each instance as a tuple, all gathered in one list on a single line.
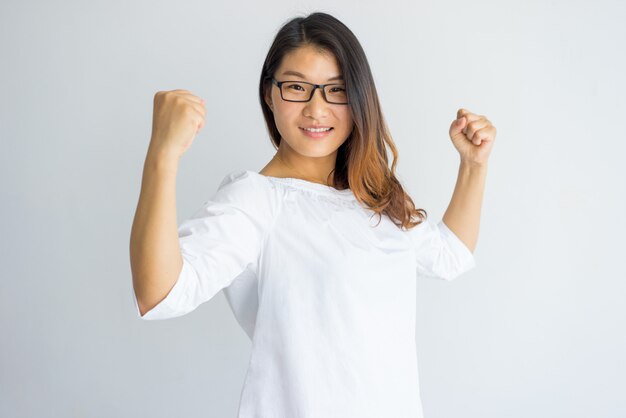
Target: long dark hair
[(362, 162)]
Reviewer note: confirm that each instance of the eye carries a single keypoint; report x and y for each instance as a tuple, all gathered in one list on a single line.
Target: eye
[(335, 89), (298, 86)]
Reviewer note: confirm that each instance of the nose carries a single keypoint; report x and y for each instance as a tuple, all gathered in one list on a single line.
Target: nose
[(317, 105)]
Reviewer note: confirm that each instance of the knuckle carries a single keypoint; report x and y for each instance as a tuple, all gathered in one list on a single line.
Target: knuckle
[(178, 101)]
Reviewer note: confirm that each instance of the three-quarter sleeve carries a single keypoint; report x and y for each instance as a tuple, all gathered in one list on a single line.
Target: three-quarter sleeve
[(219, 242), (439, 252)]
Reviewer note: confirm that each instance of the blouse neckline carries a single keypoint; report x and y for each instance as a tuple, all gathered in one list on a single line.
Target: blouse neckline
[(309, 185)]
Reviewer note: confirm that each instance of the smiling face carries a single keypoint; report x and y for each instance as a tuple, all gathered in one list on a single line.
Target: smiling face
[(311, 154)]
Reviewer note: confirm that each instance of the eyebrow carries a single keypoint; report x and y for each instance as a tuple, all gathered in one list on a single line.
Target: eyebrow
[(297, 74)]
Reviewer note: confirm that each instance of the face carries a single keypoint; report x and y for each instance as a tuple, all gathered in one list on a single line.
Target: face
[(291, 117)]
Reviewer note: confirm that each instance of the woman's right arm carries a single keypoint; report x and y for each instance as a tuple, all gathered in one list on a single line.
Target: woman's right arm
[(155, 255)]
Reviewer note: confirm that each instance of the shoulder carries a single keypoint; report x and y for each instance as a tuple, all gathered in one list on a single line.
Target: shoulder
[(245, 181), (249, 190)]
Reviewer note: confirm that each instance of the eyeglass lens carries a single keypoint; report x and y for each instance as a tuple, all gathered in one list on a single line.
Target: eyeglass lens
[(301, 92)]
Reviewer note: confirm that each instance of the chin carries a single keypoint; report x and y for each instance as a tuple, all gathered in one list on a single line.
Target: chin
[(312, 152)]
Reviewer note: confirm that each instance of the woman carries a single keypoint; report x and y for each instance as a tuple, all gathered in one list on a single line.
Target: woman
[(326, 296)]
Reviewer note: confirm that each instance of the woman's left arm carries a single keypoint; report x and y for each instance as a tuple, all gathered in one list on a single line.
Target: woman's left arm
[(473, 136)]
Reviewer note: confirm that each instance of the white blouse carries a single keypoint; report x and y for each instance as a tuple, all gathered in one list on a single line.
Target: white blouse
[(327, 298)]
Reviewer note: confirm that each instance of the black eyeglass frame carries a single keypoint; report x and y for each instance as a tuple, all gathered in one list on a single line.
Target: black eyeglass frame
[(315, 86)]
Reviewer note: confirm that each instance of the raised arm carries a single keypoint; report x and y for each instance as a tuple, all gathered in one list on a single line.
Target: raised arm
[(463, 213), (155, 256), (473, 137)]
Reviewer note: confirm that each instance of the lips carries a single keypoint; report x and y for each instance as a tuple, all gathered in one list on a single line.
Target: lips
[(316, 135), (316, 127)]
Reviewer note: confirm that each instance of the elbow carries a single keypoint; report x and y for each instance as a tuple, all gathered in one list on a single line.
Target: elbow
[(151, 290), (142, 307), (457, 270), (451, 265)]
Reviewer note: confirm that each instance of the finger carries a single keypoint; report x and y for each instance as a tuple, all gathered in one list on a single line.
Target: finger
[(189, 96), (200, 125), (200, 108), (478, 137), (472, 127), (464, 112), (465, 117), (193, 98), (483, 135), (456, 127), (469, 116), (199, 111)]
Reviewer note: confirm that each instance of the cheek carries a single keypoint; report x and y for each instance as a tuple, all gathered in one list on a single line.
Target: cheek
[(284, 116), (346, 118), (289, 116)]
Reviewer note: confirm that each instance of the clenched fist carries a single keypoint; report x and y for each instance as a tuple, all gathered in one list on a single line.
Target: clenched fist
[(473, 136), (177, 117)]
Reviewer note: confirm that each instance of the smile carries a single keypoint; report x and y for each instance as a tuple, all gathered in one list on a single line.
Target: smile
[(317, 133), (317, 129)]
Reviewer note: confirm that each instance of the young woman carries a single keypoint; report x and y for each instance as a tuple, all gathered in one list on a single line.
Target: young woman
[(318, 252)]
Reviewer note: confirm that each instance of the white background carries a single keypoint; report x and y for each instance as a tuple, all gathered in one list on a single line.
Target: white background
[(535, 330)]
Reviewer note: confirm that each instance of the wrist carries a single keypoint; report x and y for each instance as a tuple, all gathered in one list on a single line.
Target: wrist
[(472, 166), (161, 160)]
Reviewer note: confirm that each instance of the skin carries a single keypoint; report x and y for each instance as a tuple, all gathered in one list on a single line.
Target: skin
[(471, 134), (307, 158), (473, 137), (156, 260)]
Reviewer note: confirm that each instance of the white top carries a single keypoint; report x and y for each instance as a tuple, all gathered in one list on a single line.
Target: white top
[(327, 299)]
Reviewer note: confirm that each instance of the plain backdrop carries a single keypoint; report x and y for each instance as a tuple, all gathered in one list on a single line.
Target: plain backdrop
[(535, 330)]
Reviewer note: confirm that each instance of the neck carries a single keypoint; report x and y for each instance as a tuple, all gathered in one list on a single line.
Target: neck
[(301, 169)]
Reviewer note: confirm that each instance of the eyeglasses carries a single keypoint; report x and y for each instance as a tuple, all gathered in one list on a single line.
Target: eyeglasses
[(301, 91)]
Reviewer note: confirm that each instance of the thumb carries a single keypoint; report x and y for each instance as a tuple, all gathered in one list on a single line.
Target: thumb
[(457, 126)]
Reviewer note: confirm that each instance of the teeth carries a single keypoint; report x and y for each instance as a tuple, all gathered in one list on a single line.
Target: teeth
[(317, 130)]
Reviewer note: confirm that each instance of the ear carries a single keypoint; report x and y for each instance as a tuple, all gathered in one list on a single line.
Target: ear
[(268, 99)]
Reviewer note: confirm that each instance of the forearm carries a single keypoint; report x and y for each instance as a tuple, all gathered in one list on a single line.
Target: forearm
[(463, 213), (155, 255)]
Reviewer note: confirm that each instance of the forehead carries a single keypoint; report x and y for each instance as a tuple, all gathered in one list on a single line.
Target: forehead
[(310, 62)]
